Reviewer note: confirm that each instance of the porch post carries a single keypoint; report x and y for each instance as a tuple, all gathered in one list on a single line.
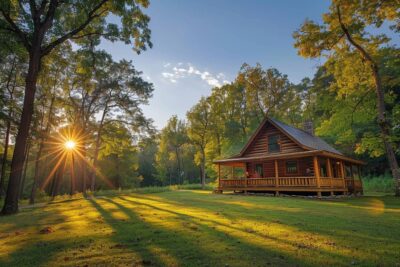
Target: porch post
[(245, 180), (219, 176), (329, 172), (276, 177), (343, 176), (316, 172), (359, 177)]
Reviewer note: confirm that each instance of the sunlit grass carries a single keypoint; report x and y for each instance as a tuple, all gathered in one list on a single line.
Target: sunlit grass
[(197, 228)]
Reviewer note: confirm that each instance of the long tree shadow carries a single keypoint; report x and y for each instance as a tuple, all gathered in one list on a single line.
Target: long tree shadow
[(244, 234), (200, 244), (31, 252), (338, 231)]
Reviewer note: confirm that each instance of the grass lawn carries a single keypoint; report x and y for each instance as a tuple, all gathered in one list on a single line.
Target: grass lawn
[(197, 228)]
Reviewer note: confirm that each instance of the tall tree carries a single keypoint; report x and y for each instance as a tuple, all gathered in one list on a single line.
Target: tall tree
[(172, 138), (345, 27), (43, 25), (121, 91), (10, 87), (50, 88), (198, 131)]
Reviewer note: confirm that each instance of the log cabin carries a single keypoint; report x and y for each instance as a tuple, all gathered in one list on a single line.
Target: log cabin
[(279, 158)]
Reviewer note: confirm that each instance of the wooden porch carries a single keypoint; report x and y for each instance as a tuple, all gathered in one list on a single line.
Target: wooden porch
[(320, 174), (306, 184)]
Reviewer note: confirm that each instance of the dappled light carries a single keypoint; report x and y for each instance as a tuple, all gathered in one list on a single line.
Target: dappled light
[(186, 228)]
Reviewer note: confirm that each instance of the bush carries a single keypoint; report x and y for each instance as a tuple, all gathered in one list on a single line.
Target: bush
[(383, 183)]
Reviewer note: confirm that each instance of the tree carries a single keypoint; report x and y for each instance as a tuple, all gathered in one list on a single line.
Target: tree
[(50, 87), (121, 91), (345, 27), (172, 137), (10, 85), (119, 158), (198, 132), (43, 25), (147, 161)]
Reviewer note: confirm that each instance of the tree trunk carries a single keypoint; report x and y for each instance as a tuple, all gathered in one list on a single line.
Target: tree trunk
[(178, 161), (72, 174), (383, 123), (36, 175), (4, 160), (17, 163), (203, 167), (21, 191), (39, 153), (83, 164), (8, 129), (96, 151)]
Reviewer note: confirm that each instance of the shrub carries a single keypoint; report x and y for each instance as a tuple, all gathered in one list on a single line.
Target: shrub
[(383, 183)]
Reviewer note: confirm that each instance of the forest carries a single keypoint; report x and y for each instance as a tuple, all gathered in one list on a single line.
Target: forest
[(71, 117)]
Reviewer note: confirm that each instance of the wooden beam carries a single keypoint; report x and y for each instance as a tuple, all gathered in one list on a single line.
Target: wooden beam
[(342, 174), (276, 176), (329, 167), (219, 175), (317, 175), (329, 173)]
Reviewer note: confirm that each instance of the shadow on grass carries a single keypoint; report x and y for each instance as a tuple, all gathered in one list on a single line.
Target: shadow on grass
[(173, 229), (356, 225), (246, 247), (196, 245), (32, 254)]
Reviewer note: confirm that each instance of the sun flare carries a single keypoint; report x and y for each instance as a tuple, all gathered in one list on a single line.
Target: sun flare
[(70, 144)]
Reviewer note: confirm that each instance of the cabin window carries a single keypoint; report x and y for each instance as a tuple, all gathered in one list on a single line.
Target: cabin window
[(273, 143), (259, 171), (347, 170), (291, 167)]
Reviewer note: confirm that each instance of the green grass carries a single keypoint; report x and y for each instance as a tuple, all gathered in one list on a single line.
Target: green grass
[(197, 228)]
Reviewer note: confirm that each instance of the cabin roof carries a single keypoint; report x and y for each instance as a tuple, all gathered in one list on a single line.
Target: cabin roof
[(311, 143), (304, 138)]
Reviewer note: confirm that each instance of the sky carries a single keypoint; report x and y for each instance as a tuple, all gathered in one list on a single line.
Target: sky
[(202, 44)]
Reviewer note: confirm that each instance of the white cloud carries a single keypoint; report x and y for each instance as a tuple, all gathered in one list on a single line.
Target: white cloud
[(181, 71)]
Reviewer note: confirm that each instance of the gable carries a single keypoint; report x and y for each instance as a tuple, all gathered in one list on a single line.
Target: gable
[(259, 143)]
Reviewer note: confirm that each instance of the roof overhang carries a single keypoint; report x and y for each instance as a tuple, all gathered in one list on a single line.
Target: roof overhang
[(302, 154)]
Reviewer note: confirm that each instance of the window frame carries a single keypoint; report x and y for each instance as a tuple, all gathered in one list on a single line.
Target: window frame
[(297, 167), (278, 142)]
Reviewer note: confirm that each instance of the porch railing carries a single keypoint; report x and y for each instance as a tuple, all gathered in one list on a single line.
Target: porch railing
[(282, 182)]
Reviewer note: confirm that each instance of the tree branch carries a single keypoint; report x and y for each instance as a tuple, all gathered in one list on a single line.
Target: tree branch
[(363, 52), (91, 15), (22, 35)]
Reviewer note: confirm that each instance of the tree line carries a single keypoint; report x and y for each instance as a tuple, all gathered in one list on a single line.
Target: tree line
[(57, 85)]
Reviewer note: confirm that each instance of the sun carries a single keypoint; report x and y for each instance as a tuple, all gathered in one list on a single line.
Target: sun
[(70, 144)]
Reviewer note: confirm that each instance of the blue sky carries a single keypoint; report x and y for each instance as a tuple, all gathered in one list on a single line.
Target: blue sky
[(201, 44)]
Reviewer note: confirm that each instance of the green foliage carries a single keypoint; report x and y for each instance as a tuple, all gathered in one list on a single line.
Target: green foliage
[(118, 158), (382, 183), (77, 19)]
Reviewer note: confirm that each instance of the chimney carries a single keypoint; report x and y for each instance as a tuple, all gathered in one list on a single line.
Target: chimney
[(308, 127)]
